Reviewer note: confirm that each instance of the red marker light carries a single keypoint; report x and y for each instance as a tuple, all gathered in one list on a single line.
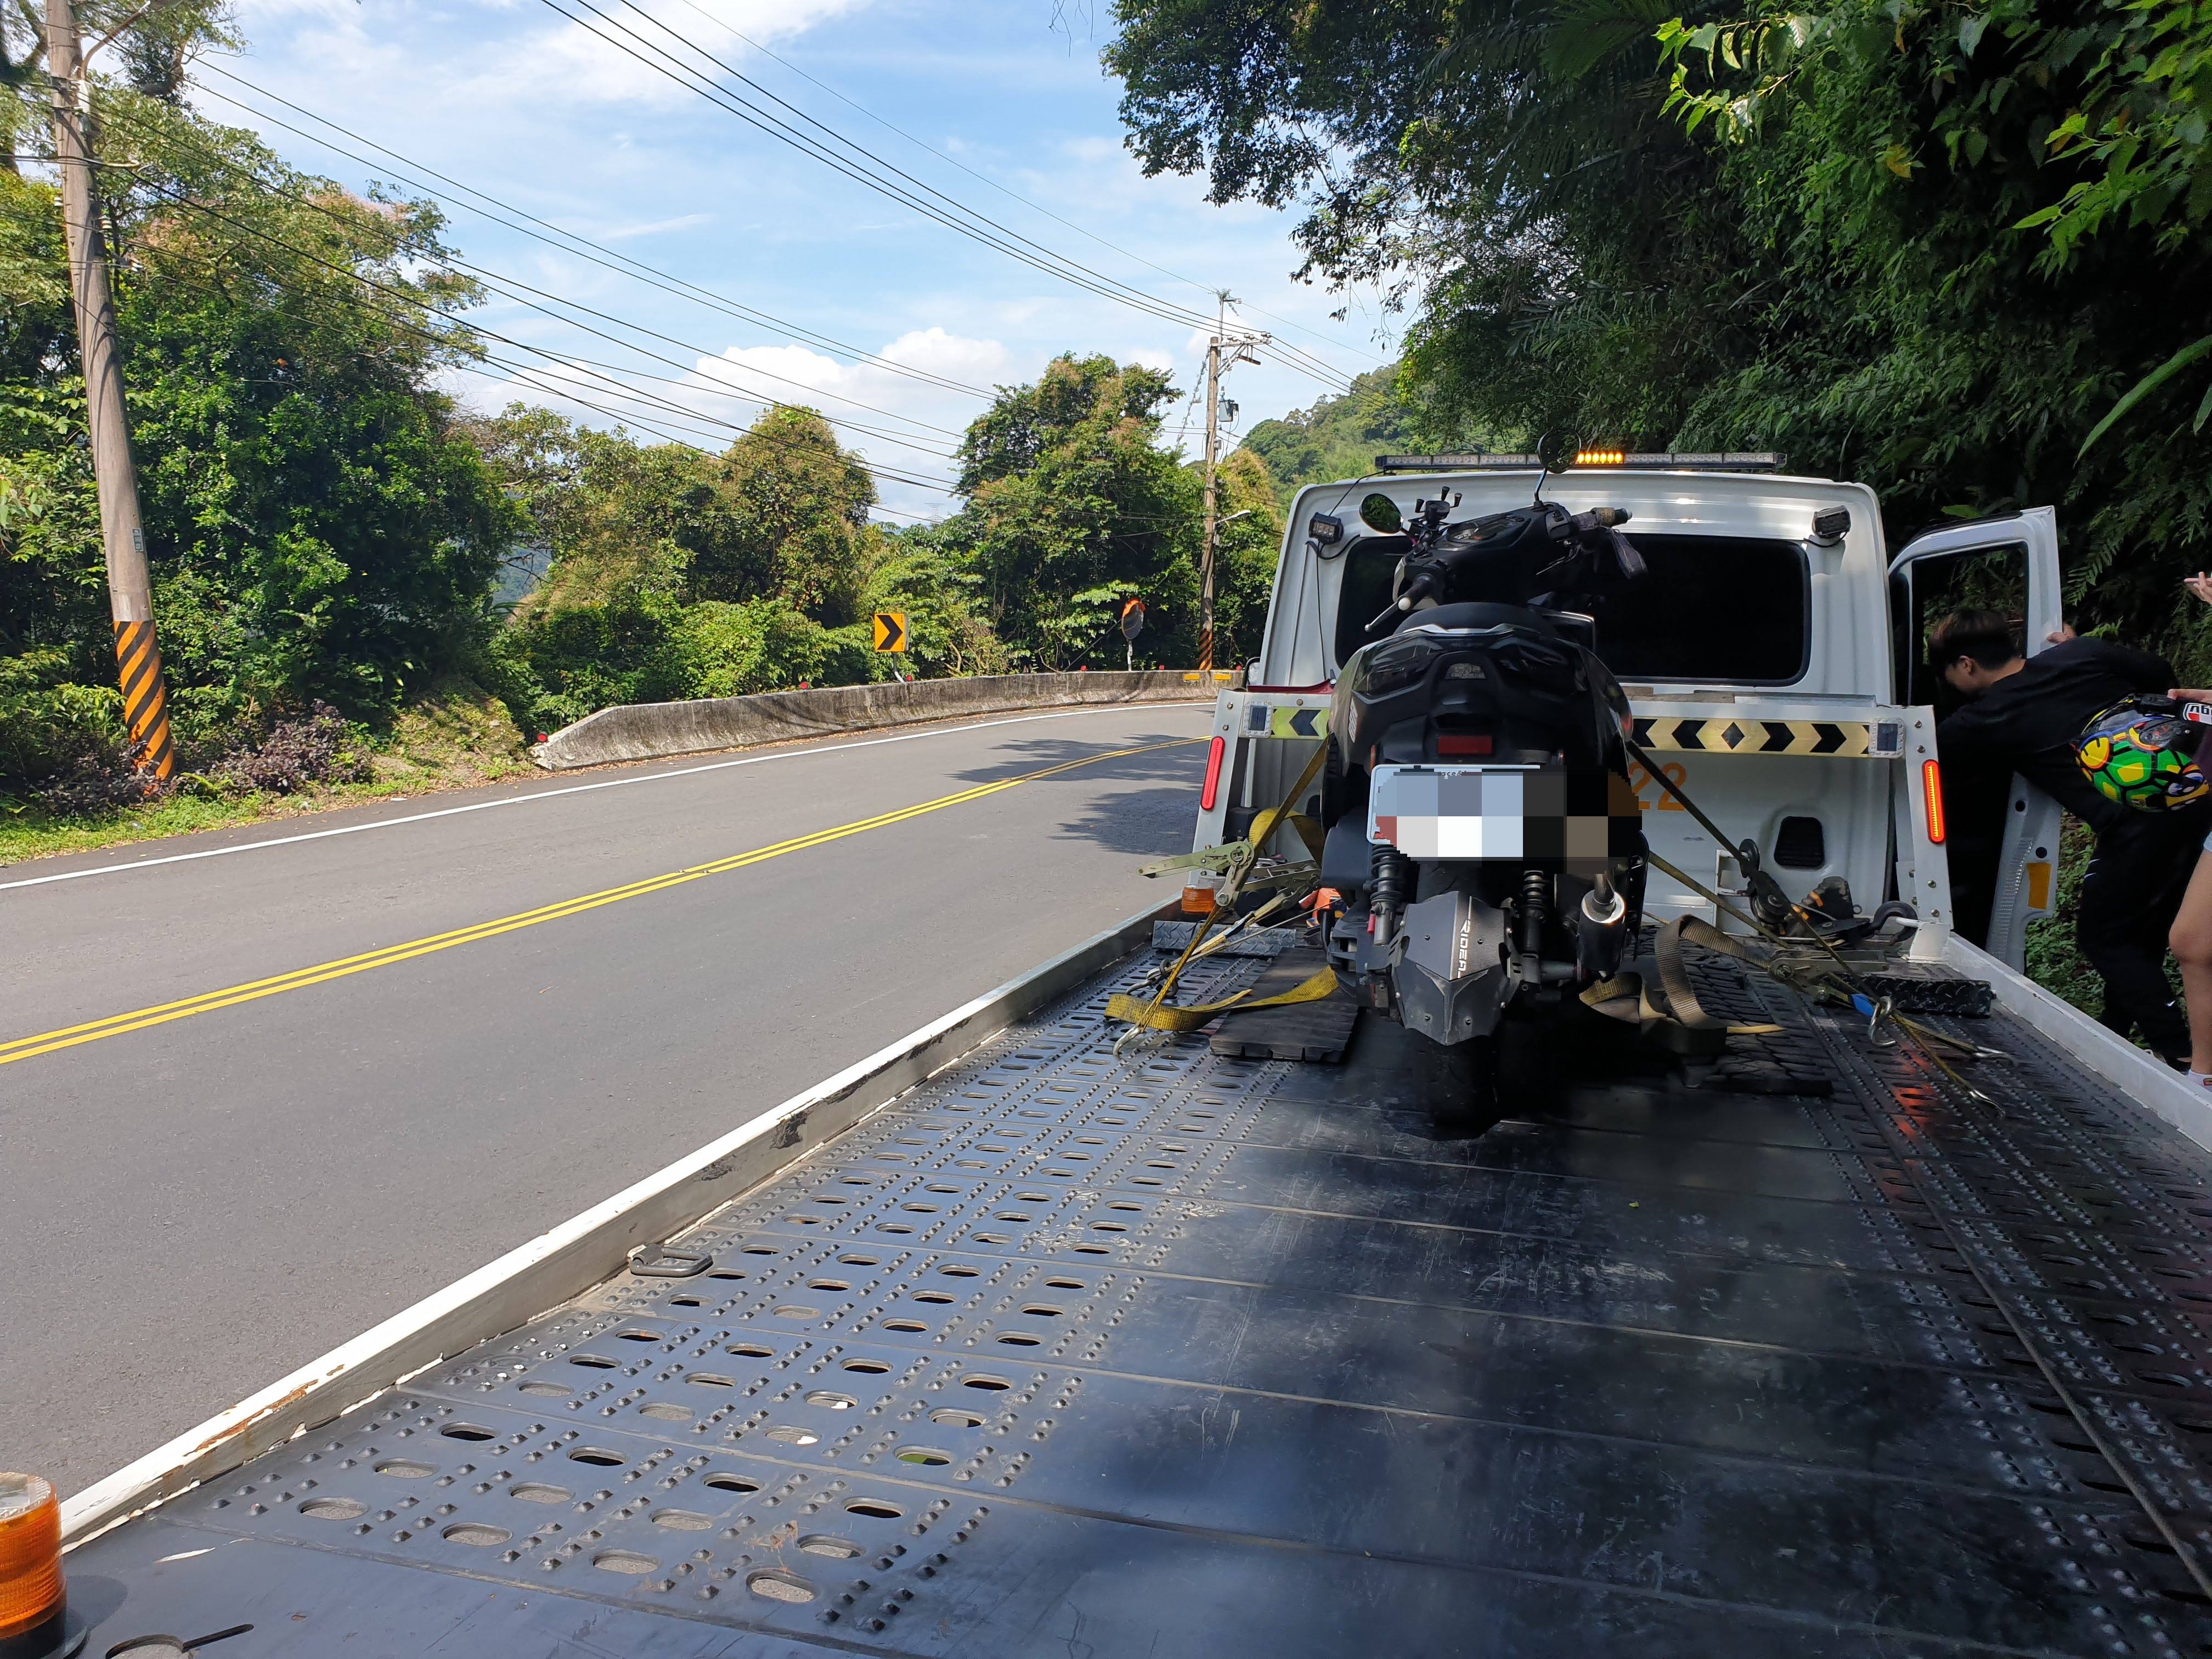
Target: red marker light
[(1931, 786), (1465, 742), (1213, 753)]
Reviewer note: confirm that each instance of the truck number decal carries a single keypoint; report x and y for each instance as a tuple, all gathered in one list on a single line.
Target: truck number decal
[(1677, 775)]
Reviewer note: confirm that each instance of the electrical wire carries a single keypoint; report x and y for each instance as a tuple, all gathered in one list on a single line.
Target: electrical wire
[(1016, 195), (469, 331), (574, 242), (505, 286), (1168, 310), (983, 229), (493, 281)]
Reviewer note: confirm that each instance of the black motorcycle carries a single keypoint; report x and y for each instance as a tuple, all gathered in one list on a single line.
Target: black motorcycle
[(1481, 828)]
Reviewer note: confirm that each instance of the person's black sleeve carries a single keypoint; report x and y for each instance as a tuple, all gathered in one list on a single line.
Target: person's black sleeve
[(2143, 670)]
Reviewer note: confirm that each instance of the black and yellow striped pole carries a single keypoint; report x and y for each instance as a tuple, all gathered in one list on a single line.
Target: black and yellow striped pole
[(129, 589)]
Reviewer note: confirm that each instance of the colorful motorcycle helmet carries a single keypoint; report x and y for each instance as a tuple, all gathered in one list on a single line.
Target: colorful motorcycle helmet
[(2139, 754)]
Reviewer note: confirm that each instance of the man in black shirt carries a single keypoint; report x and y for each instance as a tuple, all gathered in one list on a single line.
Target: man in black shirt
[(2023, 714)]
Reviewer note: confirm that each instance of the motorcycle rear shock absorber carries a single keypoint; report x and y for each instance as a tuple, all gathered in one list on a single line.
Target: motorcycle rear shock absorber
[(1391, 876), (1535, 899)]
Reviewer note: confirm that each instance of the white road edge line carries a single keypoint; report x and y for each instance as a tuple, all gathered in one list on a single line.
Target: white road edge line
[(571, 1257), (579, 789)]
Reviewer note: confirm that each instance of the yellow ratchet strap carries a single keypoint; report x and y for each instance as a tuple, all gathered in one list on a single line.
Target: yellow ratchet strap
[(1161, 1017), (1137, 1011)]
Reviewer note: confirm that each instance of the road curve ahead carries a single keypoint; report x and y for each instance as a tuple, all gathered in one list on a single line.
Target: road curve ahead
[(252, 1104)]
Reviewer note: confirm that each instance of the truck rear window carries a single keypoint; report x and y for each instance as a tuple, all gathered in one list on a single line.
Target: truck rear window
[(1715, 609), (1731, 609)]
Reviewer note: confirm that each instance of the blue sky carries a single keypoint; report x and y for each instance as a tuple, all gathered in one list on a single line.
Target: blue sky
[(505, 96)]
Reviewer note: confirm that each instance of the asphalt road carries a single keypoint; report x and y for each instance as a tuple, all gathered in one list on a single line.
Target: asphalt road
[(191, 1208)]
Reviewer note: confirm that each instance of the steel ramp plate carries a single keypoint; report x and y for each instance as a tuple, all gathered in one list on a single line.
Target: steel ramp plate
[(1202, 1357)]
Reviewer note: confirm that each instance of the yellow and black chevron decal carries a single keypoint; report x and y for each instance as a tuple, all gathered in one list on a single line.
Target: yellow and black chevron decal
[(145, 702), (1840, 740), (1283, 719)]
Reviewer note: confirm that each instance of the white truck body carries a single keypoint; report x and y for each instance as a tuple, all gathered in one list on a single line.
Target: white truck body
[(1834, 740)]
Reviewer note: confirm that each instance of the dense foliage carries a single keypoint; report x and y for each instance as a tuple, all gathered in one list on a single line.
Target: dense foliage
[(1339, 437), (1929, 245), (1072, 506), (318, 525), (678, 574)]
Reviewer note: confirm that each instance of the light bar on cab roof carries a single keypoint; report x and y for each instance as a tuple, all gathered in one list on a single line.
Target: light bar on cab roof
[(1764, 460)]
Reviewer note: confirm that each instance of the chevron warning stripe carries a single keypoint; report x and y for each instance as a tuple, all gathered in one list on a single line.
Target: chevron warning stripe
[(1735, 735), (1286, 721), (145, 702)]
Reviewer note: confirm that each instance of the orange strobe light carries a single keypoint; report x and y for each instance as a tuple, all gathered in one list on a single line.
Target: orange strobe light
[(34, 1622), (1931, 786)]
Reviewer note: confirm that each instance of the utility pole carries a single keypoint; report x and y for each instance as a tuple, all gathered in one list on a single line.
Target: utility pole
[(129, 589), (1237, 350)]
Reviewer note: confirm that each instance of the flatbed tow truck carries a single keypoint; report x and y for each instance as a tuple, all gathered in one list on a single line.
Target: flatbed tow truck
[(1002, 1344)]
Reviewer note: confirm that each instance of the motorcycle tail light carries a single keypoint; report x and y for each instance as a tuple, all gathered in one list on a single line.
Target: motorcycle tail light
[(1450, 744), (1398, 664)]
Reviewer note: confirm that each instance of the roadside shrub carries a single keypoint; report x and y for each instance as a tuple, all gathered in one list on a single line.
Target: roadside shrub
[(96, 782), (320, 746), (49, 725)]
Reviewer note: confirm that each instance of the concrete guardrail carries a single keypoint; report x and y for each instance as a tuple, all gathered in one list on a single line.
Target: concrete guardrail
[(645, 731)]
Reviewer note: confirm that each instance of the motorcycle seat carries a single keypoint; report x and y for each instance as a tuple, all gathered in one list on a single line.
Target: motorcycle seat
[(1476, 614)]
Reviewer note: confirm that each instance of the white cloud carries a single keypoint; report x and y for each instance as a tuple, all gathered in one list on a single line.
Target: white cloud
[(626, 58)]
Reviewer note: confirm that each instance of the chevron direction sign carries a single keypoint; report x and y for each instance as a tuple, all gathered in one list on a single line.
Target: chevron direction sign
[(1736, 735)]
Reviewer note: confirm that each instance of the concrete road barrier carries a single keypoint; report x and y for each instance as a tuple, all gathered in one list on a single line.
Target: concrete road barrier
[(645, 731)]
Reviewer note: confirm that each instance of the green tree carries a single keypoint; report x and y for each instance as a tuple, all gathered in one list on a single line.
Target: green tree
[(1073, 505), (1339, 437), (1246, 549), (1930, 247), (318, 527), (678, 573)]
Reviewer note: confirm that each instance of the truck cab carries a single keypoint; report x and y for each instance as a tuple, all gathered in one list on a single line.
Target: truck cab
[(1772, 661)]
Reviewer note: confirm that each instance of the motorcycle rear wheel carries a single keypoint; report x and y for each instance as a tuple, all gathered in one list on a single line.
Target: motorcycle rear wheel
[(1468, 1099)]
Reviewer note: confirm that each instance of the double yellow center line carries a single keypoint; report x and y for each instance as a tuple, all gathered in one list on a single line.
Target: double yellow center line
[(138, 1019)]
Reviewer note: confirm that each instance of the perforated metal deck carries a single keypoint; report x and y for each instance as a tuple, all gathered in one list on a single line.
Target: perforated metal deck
[(1212, 1356)]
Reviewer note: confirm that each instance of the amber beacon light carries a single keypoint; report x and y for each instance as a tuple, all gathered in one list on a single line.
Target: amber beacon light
[(34, 1621)]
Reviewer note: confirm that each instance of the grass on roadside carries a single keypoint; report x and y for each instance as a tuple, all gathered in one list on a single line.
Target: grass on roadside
[(455, 737)]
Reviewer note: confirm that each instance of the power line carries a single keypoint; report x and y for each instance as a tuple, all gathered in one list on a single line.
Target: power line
[(991, 230), (628, 419), (448, 342), (991, 233), (984, 230), (493, 281), (1017, 195), (574, 242)]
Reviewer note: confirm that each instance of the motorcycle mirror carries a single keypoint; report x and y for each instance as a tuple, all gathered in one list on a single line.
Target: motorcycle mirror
[(1556, 451)]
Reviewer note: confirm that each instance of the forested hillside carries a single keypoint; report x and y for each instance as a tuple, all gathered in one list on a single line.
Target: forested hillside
[(1337, 437)]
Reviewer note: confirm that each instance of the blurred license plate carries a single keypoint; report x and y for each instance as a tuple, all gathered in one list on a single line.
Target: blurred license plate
[(1450, 811)]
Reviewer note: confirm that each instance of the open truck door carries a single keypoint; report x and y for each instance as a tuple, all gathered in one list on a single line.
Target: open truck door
[(2011, 564)]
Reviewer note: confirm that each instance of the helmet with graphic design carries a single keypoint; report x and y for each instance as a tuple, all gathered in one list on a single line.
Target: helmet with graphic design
[(2140, 754)]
